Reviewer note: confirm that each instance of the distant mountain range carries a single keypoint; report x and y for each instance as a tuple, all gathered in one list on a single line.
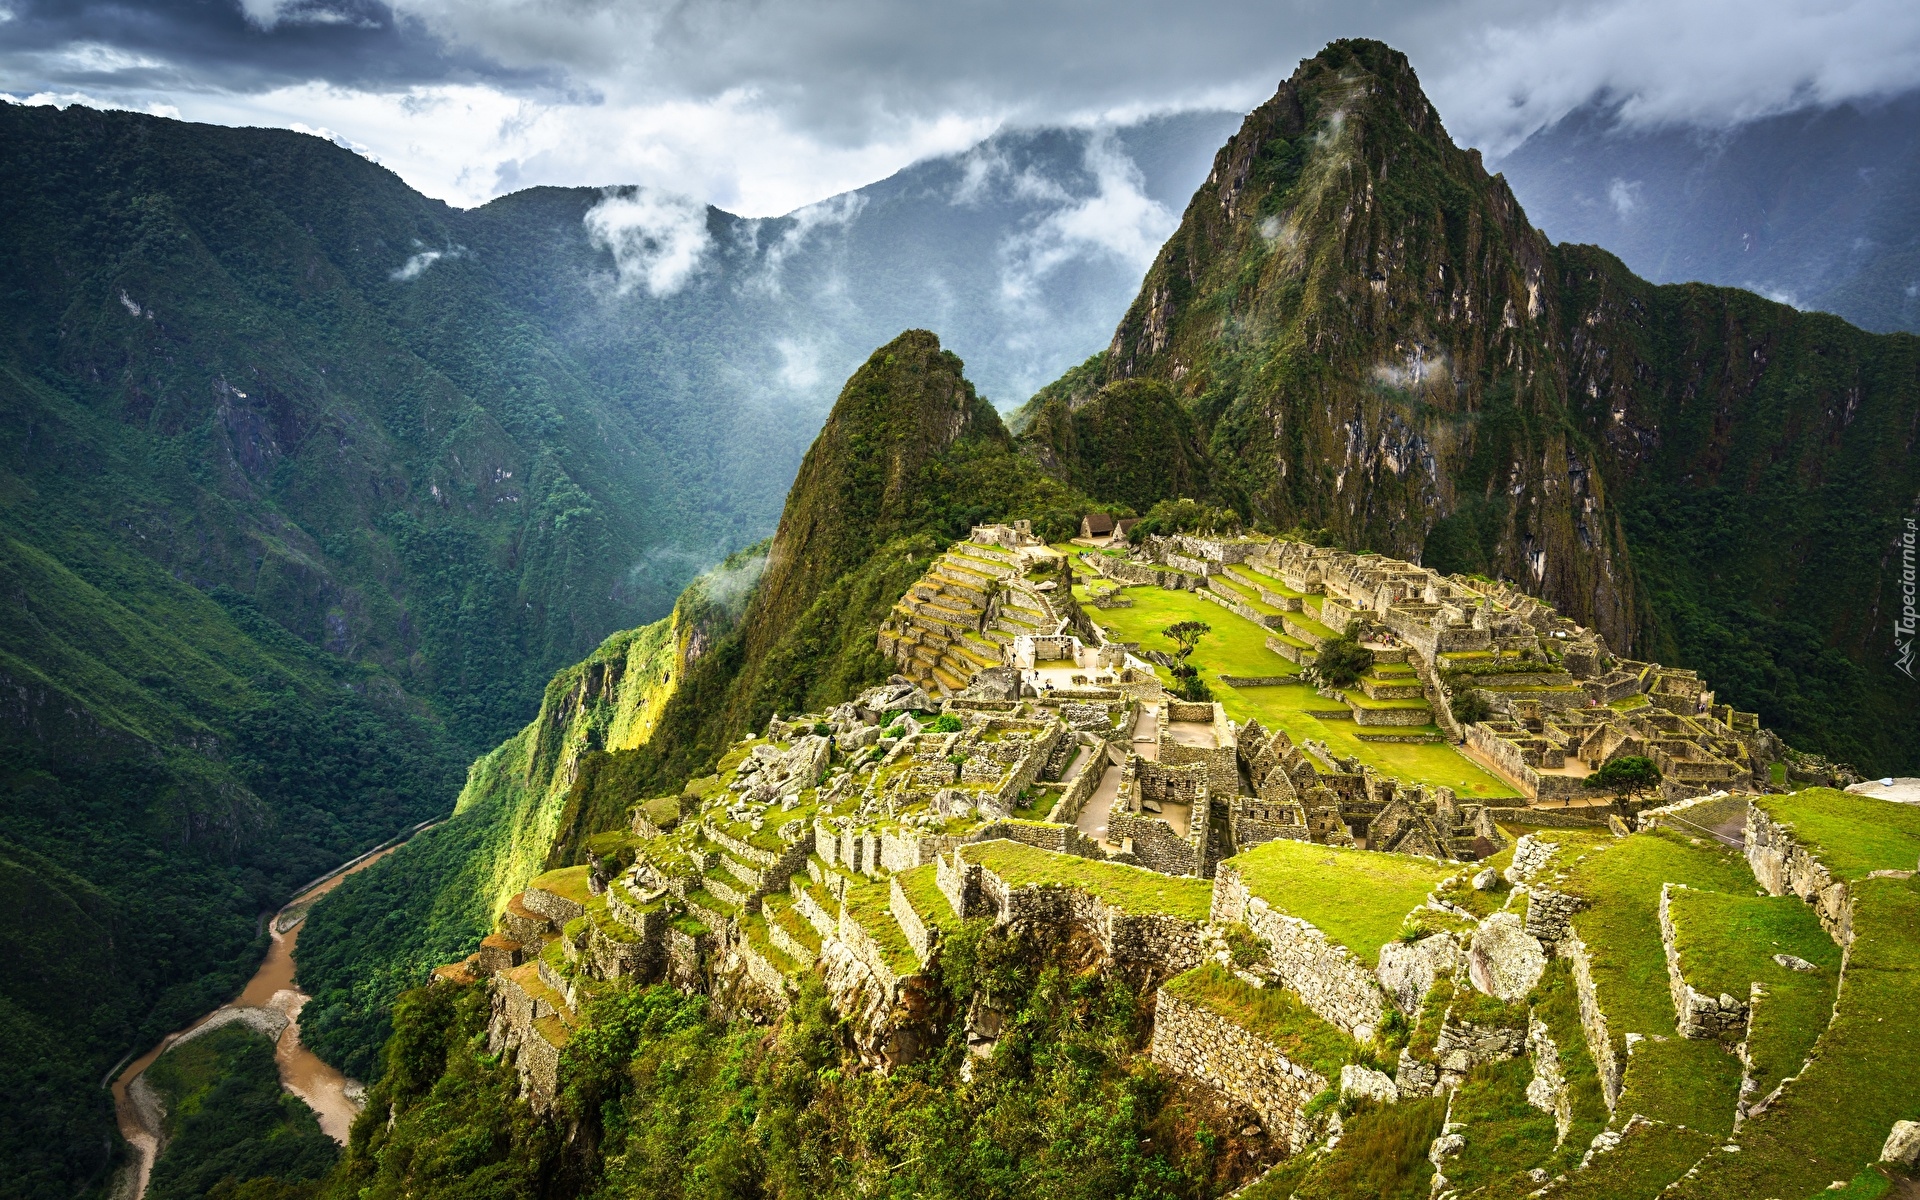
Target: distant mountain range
[(1818, 208)]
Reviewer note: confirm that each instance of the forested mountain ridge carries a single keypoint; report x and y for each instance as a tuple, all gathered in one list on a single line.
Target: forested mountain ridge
[(1371, 338), (301, 511)]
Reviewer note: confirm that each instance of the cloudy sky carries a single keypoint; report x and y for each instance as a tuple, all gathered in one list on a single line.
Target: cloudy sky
[(761, 106)]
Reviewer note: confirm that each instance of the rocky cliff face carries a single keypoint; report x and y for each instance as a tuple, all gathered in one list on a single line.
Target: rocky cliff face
[(1370, 337)]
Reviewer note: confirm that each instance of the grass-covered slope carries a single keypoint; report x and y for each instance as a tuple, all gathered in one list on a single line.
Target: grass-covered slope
[(1367, 336)]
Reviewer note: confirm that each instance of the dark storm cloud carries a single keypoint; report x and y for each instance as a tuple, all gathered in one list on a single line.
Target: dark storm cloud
[(158, 45), (772, 102)]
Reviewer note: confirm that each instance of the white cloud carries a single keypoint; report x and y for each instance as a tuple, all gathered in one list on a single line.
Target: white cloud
[(1706, 62), (416, 265), (1118, 220), (657, 239), (1624, 197), (763, 108), (836, 212)]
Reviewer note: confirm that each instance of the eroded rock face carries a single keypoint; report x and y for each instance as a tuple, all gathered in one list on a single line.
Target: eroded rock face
[(1505, 960), (1407, 969)]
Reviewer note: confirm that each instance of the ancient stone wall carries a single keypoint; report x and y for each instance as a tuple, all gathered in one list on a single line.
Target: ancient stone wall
[(1783, 866), (815, 915), (1549, 913), (1167, 943), (1196, 1042), (1328, 977), (1696, 1014), (1042, 835), (959, 882), (1593, 1022), (861, 944), (923, 938), (1155, 844)]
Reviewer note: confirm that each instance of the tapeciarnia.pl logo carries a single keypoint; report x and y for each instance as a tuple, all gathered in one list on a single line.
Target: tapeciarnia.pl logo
[(1903, 629)]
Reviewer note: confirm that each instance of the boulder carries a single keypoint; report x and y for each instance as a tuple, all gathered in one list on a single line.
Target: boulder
[(1408, 969), (1903, 1144), (1505, 960), (1486, 880), (1794, 963), (1368, 1084)]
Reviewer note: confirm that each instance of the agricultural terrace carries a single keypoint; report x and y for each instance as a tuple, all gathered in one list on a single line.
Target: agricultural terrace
[(1239, 647), (1274, 1013), (1684, 1081), (1853, 835), (1726, 944), (1835, 1116), (1358, 898), (1133, 890)]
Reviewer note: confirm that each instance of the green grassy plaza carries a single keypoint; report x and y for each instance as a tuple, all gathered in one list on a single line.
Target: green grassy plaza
[(1239, 647)]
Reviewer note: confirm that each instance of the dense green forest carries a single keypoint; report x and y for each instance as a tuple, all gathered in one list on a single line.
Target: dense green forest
[(666, 1099), (293, 531), (229, 1121)]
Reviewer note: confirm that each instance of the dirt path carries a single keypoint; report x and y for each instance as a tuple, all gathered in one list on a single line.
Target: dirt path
[(269, 997)]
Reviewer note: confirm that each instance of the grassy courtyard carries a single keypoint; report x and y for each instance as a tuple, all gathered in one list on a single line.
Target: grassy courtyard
[(1239, 647)]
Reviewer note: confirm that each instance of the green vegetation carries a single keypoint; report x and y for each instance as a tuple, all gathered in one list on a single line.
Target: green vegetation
[(1681, 1081), (1185, 516), (1648, 1158), (1187, 682), (1853, 835), (1831, 1121), (1629, 775), (1239, 647), (1342, 661), (1133, 890), (1382, 1154), (228, 1121), (1274, 1013), (674, 1103), (1358, 898), (1726, 943)]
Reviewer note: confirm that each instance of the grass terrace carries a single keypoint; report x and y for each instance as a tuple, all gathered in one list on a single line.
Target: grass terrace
[(569, 883), (870, 906), (1726, 943), (1134, 890), (923, 892), (1358, 898), (1274, 1013), (1235, 647), (1831, 1121), (1682, 1081), (1853, 835)]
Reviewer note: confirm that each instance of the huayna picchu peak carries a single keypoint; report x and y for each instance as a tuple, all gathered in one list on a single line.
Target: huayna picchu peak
[(1419, 714)]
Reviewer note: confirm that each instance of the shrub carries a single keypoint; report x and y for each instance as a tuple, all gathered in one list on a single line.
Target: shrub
[(1342, 661), (1470, 705), (944, 723)]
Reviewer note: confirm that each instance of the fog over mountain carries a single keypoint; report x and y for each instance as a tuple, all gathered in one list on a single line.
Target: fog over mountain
[(1819, 208)]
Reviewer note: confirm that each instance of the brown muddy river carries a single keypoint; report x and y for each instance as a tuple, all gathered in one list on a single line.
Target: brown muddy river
[(272, 988)]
